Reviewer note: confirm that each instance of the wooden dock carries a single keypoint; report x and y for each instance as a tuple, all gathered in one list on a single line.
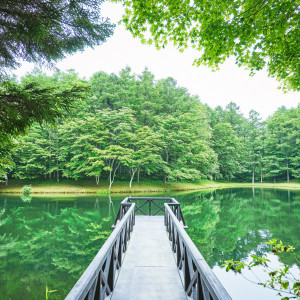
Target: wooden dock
[(149, 269), (148, 256)]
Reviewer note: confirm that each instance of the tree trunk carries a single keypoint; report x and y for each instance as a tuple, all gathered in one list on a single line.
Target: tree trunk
[(253, 173), (165, 178), (131, 178), (57, 171), (110, 180), (287, 171), (167, 161), (97, 177), (6, 180), (138, 175), (261, 176), (112, 175)]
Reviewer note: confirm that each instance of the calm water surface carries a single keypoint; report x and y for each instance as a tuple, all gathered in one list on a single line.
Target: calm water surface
[(50, 242)]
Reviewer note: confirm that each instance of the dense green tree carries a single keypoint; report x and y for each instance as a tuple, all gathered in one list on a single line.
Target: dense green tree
[(259, 34), (227, 146), (253, 141), (43, 31), (37, 99), (145, 156), (263, 160), (83, 138), (105, 135), (283, 142)]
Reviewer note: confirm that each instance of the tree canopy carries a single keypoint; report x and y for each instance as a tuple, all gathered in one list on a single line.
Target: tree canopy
[(258, 33), (133, 127), (43, 31), (37, 99)]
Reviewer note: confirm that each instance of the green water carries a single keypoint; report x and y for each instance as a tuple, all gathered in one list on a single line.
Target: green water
[(51, 241)]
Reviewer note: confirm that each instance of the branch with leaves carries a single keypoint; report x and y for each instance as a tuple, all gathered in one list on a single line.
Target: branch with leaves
[(281, 279)]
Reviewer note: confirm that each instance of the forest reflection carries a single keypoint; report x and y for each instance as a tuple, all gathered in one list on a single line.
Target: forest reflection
[(231, 223), (51, 241)]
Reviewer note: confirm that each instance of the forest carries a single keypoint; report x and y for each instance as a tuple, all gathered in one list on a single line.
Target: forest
[(133, 127)]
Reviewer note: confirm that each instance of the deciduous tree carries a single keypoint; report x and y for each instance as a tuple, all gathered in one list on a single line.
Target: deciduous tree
[(257, 33)]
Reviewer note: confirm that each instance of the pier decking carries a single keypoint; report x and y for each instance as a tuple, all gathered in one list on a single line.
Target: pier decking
[(149, 269), (149, 256)]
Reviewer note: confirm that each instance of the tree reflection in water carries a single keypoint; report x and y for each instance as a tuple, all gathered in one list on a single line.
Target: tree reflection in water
[(234, 222), (49, 244), (51, 241)]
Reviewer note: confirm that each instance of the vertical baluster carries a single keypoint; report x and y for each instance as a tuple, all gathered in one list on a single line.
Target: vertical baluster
[(199, 288), (170, 230), (98, 287), (149, 207), (120, 250), (173, 238), (125, 239), (91, 293), (186, 271), (205, 290), (111, 272), (179, 214), (166, 220), (178, 251), (165, 216)]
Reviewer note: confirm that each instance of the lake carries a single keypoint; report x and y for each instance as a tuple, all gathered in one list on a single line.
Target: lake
[(46, 243)]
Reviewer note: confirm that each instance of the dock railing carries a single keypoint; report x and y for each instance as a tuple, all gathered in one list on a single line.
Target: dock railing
[(199, 280), (150, 206), (98, 280)]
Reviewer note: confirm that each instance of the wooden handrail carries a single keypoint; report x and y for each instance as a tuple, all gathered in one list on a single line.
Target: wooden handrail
[(146, 207), (198, 278), (98, 279)]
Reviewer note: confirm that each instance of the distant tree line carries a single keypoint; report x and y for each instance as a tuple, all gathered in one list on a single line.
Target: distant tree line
[(132, 127)]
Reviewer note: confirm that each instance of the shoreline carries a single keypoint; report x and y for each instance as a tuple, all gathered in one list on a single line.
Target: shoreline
[(86, 188)]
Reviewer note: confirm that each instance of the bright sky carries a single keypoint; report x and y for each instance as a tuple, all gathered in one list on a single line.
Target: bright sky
[(230, 83)]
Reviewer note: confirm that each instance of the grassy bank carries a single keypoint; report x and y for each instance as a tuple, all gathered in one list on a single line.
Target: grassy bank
[(90, 187)]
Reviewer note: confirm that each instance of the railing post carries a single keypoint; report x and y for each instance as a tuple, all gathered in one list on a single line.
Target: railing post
[(186, 271), (149, 207), (205, 290), (111, 272), (199, 280)]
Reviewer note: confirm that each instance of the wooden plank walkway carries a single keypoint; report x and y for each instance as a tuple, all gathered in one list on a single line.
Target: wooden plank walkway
[(149, 270)]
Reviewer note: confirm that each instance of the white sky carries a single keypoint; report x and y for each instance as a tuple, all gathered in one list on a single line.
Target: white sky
[(230, 83)]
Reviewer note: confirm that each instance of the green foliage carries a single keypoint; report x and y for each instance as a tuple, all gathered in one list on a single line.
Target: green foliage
[(45, 31), (26, 190), (227, 146), (37, 99), (131, 127), (26, 193), (279, 279), (258, 34), (125, 129), (41, 32)]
